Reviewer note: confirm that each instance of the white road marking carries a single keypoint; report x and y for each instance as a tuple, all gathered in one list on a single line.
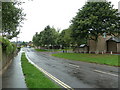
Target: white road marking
[(51, 76), (74, 65), (106, 73), (19, 63)]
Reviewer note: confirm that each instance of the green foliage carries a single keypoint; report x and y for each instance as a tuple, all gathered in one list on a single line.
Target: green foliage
[(92, 58), (41, 50), (12, 17), (64, 38), (7, 46), (53, 50), (9, 49), (46, 37), (49, 36), (18, 48), (93, 20), (34, 78), (36, 39), (23, 43)]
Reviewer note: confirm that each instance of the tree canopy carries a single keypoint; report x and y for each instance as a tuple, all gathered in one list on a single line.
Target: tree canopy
[(12, 17), (94, 19), (51, 37), (46, 37), (64, 38)]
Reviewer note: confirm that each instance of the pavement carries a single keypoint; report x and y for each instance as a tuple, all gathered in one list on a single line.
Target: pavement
[(76, 74), (13, 76)]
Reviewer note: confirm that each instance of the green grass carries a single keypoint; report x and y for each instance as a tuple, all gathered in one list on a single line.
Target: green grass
[(93, 58), (34, 78), (50, 50), (41, 50)]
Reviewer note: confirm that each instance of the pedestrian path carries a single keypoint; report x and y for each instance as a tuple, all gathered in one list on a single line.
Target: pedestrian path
[(13, 77)]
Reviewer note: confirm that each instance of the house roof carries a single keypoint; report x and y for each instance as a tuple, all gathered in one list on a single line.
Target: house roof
[(116, 39)]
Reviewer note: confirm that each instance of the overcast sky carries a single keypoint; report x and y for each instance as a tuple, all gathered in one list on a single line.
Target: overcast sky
[(57, 13)]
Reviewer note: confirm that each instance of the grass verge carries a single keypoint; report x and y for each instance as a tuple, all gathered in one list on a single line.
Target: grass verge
[(34, 78), (41, 50), (93, 58), (51, 50)]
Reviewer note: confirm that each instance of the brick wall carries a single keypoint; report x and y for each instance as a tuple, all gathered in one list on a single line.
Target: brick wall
[(118, 47)]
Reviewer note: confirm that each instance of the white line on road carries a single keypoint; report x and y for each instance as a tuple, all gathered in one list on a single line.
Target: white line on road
[(74, 65), (51, 76), (106, 73)]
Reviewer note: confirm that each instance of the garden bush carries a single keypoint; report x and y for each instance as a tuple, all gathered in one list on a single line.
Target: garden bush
[(7, 47)]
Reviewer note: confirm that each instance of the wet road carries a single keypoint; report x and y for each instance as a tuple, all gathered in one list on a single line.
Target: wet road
[(76, 74)]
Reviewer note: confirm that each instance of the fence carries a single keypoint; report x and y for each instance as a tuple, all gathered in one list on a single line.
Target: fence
[(5, 60)]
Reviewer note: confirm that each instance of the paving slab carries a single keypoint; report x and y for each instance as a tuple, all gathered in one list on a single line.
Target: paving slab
[(13, 77)]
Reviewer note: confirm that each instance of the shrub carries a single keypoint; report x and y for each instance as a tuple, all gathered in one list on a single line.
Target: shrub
[(7, 46), (18, 48)]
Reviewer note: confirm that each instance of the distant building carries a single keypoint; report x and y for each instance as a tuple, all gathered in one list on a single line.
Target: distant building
[(105, 45), (113, 44), (82, 49)]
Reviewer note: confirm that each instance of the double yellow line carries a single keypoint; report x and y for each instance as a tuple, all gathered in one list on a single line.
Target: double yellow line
[(51, 76)]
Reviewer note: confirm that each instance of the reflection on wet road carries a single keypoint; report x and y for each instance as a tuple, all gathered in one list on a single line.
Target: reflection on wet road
[(76, 74)]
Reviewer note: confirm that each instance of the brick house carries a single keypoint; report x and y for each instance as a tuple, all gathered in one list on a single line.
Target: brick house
[(108, 44), (83, 48), (113, 44), (103, 45)]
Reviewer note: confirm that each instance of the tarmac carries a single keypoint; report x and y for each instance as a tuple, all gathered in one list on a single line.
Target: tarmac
[(13, 77)]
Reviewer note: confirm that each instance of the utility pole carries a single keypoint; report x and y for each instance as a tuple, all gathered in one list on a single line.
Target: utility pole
[(17, 41), (119, 6)]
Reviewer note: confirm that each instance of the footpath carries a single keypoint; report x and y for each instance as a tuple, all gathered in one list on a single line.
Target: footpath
[(13, 76)]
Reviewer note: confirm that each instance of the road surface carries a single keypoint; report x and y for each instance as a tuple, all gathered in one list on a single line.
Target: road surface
[(76, 74)]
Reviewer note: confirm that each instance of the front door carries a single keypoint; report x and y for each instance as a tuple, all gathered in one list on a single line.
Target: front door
[(111, 46)]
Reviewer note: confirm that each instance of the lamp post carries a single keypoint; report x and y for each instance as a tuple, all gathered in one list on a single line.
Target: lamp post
[(119, 6), (17, 41)]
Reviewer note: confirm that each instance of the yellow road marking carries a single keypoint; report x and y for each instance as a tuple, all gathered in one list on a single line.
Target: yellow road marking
[(51, 76)]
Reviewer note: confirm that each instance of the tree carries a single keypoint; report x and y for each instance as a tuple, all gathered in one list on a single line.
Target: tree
[(36, 40), (64, 38), (49, 36), (46, 37), (94, 19), (12, 17)]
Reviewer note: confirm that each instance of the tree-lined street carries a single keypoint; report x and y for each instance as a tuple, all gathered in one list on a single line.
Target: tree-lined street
[(75, 73), (86, 52)]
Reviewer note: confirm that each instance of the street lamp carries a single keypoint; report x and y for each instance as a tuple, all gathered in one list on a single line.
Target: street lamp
[(17, 41)]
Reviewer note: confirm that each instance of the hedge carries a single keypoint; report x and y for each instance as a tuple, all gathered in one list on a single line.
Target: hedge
[(7, 46)]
